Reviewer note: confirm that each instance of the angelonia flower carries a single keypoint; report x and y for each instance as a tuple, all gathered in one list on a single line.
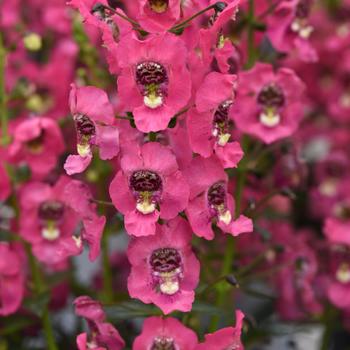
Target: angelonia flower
[(37, 142), (93, 118), (210, 123), (103, 336), (290, 28), (269, 104), (198, 149), (164, 270), (210, 202), (148, 186), (154, 83), (52, 214), (12, 276), (165, 333), (226, 338)]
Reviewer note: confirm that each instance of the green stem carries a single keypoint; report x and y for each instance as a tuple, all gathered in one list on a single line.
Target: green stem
[(50, 338), (103, 202), (230, 242), (107, 271), (269, 10), (251, 28), (126, 18), (181, 25), (3, 99), (39, 287), (330, 317)]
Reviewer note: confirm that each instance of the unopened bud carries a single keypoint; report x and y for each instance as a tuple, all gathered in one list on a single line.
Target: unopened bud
[(232, 280), (220, 6)]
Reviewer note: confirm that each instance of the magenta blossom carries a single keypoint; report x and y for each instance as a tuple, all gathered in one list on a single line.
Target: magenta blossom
[(339, 284), (225, 338), (50, 215), (210, 201), (289, 28), (37, 142), (212, 39), (98, 14), (164, 270), (103, 336), (165, 333), (154, 82), (337, 224), (209, 124), (269, 105), (12, 280), (5, 183), (148, 186), (93, 116)]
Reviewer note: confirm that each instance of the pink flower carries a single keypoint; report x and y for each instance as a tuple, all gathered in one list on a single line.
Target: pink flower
[(165, 333), (103, 336), (212, 38), (12, 280), (148, 186), (210, 201), (93, 116), (49, 217), (5, 183), (96, 14), (164, 270), (339, 286), (209, 124), (154, 83), (269, 105), (158, 15), (38, 142), (337, 224), (337, 230), (225, 338), (289, 28)]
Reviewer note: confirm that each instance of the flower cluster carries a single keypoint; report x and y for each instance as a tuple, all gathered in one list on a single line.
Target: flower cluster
[(199, 149)]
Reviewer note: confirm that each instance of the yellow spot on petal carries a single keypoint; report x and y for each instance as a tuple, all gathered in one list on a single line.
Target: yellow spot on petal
[(32, 42), (153, 100), (146, 207), (169, 287), (223, 139), (343, 273), (50, 231), (270, 118), (225, 217), (83, 149)]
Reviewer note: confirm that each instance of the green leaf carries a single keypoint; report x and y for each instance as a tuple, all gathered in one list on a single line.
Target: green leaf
[(37, 303), (130, 309), (13, 324)]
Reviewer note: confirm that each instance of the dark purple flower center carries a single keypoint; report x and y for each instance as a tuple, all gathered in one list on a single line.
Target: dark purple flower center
[(217, 195), (51, 210), (343, 211), (148, 73), (165, 260), (84, 125), (158, 6), (145, 181), (100, 11), (221, 113), (303, 9), (163, 343), (271, 95)]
